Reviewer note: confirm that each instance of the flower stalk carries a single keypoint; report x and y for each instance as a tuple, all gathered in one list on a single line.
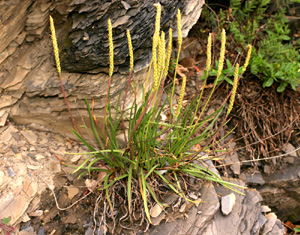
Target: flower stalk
[(234, 88), (57, 61)]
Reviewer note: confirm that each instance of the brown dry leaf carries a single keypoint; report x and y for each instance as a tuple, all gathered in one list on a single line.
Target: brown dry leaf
[(181, 70), (101, 175), (290, 225)]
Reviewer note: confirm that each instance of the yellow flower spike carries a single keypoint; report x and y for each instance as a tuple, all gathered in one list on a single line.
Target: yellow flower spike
[(180, 100), (111, 48), (169, 51), (161, 53), (208, 60), (157, 26), (222, 54), (247, 58), (179, 27), (130, 50), (155, 71), (55, 47), (234, 88)]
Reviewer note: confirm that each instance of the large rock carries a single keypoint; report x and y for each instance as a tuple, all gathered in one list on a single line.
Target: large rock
[(247, 215), (281, 192), (85, 46)]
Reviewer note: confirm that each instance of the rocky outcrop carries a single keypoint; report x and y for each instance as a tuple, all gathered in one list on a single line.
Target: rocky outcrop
[(281, 191), (85, 47), (29, 86), (246, 216), (279, 187)]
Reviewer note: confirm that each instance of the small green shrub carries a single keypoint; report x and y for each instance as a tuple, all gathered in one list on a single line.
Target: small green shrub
[(273, 59)]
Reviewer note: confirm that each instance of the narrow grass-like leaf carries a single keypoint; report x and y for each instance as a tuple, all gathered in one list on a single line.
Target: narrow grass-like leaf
[(144, 194), (153, 194), (93, 123), (114, 181), (83, 164), (152, 169), (129, 179), (169, 184)]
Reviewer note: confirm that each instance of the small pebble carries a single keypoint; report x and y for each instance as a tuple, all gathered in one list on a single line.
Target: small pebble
[(10, 172)]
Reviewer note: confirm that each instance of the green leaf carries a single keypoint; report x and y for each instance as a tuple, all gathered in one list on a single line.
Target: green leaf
[(6, 220), (296, 229), (285, 37), (282, 87), (293, 86), (228, 64), (268, 83), (129, 187), (144, 194), (229, 81), (279, 74)]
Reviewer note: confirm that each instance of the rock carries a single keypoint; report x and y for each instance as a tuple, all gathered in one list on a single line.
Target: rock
[(36, 213), (265, 209), (27, 232), (290, 150), (72, 191), (30, 136), (1, 178), (15, 206), (6, 135), (54, 166), (71, 218), (11, 172), (3, 116), (156, 210), (39, 156), (156, 220), (12, 26), (267, 169), (91, 184), (227, 203), (84, 50), (246, 216), (289, 160), (232, 160), (271, 221), (281, 192), (252, 178), (49, 215)]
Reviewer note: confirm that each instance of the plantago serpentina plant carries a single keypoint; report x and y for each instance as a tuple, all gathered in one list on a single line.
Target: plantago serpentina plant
[(157, 153)]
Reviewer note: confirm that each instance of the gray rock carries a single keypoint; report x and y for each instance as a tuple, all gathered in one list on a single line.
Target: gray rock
[(253, 178), (290, 149), (281, 192), (271, 221), (85, 44), (227, 203), (11, 172), (290, 160)]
